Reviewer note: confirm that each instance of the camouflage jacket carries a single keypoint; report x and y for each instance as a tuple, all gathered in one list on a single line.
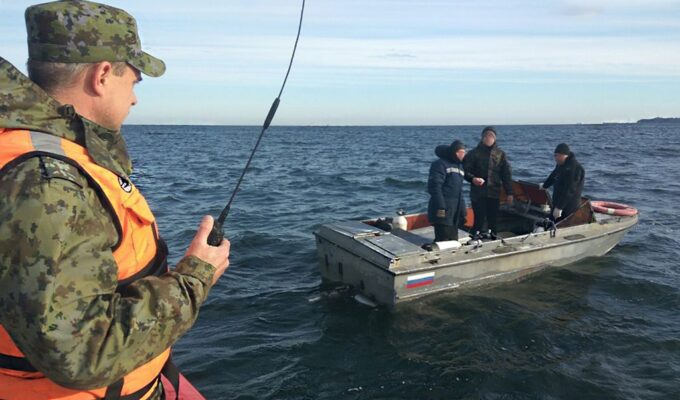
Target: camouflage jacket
[(491, 164), (58, 277)]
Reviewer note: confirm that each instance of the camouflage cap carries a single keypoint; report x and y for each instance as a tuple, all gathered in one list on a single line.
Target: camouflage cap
[(78, 31)]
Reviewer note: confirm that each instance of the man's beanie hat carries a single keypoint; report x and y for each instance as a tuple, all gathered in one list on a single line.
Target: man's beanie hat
[(489, 129), (78, 31), (457, 145), (562, 148)]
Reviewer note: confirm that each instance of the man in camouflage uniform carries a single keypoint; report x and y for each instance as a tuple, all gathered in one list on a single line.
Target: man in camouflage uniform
[(58, 279)]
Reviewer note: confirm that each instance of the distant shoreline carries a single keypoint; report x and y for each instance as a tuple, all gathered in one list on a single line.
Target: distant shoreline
[(659, 120)]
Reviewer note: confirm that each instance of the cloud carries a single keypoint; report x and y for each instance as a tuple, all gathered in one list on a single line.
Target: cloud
[(235, 61), (582, 10), (599, 55), (594, 8), (396, 55)]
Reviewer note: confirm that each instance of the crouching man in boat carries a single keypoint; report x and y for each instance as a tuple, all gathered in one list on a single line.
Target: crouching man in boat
[(489, 168), (88, 306), (446, 209), (567, 179)]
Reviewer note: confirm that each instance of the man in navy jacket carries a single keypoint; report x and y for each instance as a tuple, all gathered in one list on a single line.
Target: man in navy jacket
[(446, 209)]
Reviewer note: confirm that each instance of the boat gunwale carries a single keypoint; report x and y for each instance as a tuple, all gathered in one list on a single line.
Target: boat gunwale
[(400, 271)]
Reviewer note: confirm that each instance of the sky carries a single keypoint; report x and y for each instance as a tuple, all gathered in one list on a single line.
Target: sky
[(396, 62)]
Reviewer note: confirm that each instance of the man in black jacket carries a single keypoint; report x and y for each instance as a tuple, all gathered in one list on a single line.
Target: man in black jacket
[(487, 168), (567, 178)]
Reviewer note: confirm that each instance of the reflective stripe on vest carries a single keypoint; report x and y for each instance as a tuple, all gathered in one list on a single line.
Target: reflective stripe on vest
[(139, 253), (455, 170)]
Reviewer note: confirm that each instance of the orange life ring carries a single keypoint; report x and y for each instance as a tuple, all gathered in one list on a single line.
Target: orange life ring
[(611, 208)]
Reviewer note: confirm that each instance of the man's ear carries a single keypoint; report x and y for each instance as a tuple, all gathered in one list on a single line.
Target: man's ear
[(100, 76)]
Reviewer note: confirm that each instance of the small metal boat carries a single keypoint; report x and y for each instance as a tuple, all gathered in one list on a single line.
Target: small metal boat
[(389, 265)]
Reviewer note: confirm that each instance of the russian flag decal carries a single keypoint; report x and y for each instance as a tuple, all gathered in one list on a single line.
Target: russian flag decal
[(419, 280)]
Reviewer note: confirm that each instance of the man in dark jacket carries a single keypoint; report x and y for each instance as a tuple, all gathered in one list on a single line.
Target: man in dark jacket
[(446, 209), (567, 179), (487, 167)]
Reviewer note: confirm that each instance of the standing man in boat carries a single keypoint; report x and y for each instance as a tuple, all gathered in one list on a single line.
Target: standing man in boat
[(487, 168), (88, 306), (446, 209), (567, 179)]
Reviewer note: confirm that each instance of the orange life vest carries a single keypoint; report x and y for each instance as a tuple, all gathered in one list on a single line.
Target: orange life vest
[(139, 253)]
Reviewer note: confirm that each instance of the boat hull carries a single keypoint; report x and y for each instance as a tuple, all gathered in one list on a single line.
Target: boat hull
[(383, 274)]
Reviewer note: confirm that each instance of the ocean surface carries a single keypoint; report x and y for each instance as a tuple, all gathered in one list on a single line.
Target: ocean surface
[(604, 328)]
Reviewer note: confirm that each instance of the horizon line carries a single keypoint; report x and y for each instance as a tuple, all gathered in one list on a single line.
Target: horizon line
[(392, 125)]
